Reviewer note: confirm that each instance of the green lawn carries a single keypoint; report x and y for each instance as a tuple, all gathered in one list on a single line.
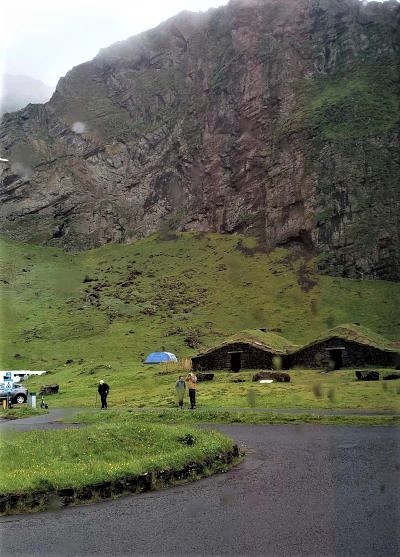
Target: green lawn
[(21, 411), (140, 386), (105, 451)]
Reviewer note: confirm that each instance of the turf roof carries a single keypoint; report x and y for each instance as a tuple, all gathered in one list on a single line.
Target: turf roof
[(260, 339), (280, 345), (356, 333)]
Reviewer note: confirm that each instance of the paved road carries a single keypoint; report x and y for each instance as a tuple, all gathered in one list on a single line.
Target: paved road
[(46, 421), (303, 490)]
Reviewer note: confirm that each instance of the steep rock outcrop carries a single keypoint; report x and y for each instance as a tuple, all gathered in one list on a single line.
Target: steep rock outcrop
[(272, 117)]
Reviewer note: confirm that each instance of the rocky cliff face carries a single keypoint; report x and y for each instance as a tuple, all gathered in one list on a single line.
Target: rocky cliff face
[(272, 117)]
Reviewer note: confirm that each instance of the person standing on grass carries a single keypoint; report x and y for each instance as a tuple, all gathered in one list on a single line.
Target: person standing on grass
[(103, 390), (180, 387), (192, 381)]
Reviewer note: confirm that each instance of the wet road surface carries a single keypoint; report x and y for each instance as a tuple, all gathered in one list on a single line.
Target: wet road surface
[(303, 490), (45, 421)]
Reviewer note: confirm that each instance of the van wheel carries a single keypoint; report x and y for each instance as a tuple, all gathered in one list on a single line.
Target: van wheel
[(20, 399)]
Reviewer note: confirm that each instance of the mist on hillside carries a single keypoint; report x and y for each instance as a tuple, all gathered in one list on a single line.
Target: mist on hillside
[(20, 90)]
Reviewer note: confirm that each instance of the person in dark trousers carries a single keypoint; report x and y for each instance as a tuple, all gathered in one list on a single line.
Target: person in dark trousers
[(180, 387), (192, 381), (103, 390)]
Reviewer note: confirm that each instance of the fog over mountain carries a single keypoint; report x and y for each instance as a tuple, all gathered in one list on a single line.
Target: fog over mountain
[(273, 118), (20, 90), (45, 39)]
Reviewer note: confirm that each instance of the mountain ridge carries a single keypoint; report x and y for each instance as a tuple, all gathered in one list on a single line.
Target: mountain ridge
[(276, 119)]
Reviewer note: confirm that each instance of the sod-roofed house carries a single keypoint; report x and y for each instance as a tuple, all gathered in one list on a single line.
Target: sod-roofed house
[(249, 349), (349, 345)]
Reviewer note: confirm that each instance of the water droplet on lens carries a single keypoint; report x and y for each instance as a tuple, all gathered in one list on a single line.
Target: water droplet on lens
[(78, 127)]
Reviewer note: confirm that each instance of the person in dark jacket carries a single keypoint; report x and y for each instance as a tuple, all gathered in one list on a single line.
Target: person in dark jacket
[(103, 390)]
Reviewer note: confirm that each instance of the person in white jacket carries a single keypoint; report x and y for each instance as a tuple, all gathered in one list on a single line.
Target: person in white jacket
[(180, 387)]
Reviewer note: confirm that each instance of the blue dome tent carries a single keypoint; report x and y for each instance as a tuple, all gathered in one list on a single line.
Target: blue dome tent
[(160, 357)]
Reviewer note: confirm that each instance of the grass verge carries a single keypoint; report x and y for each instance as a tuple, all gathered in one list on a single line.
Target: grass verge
[(23, 411), (105, 459), (225, 416)]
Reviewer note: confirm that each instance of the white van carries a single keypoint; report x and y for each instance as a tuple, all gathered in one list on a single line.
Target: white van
[(18, 375)]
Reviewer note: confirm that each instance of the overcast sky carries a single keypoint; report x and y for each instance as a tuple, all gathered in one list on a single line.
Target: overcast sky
[(46, 38)]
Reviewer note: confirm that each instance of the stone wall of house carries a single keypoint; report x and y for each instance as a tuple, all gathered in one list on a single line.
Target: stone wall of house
[(220, 358), (354, 354)]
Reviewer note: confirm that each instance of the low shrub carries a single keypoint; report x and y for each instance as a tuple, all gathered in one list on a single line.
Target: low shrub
[(187, 439)]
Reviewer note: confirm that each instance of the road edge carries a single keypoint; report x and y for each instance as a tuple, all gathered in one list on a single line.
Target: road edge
[(56, 499)]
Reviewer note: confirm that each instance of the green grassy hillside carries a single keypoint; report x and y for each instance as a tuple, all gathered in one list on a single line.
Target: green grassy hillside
[(117, 303)]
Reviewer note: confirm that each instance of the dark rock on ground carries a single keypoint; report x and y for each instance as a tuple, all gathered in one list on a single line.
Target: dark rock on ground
[(278, 376), (49, 389), (391, 376), (367, 375), (204, 376)]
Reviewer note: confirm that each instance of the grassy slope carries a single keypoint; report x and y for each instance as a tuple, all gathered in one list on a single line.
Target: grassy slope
[(156, 294), (358, 105)]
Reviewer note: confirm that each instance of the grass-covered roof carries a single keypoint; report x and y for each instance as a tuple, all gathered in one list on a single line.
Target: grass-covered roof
[(280, 345), (260, 339), (356, 333)]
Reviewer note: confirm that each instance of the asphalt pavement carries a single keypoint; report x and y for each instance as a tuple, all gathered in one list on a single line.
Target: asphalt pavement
[(303, 490), (45, 421)]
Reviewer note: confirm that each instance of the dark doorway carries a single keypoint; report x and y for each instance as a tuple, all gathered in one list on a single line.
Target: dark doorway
[(236, 361), (336, 356)]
